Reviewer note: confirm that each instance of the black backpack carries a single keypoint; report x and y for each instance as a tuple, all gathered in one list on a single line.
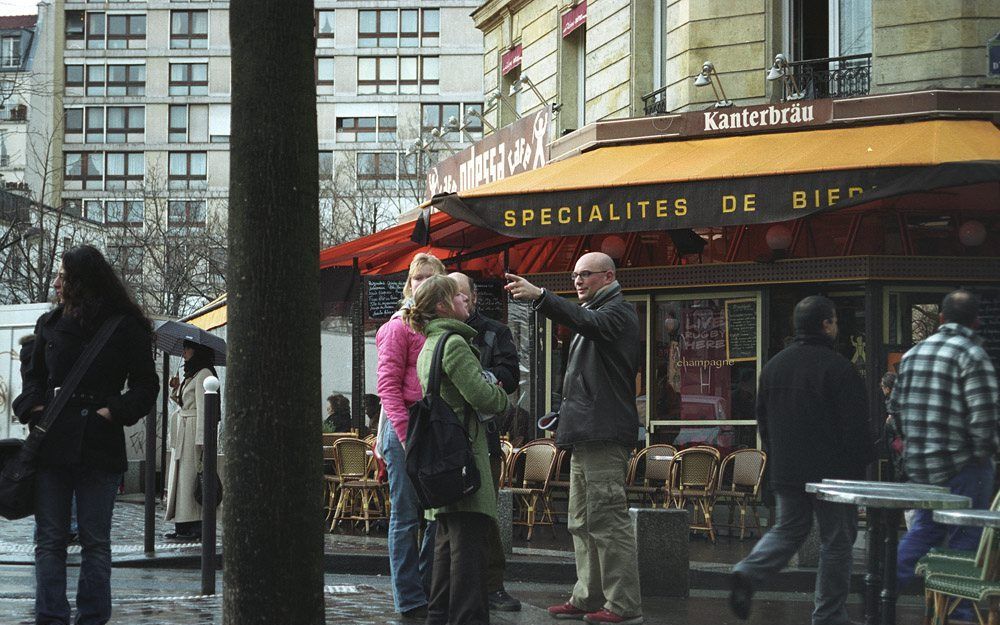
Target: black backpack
[(439, 458)]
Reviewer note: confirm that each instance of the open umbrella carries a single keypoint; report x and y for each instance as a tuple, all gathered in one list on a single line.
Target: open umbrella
[(170, 337)]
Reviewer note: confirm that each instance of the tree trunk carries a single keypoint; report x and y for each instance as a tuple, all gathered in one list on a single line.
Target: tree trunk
[(273, 515)]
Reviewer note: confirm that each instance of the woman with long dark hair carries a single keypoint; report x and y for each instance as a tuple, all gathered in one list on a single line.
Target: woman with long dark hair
[(186, 442), (83, 452)]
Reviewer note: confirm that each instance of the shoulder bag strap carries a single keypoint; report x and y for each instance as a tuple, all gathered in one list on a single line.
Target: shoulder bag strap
[(434, 380), (69, 385)]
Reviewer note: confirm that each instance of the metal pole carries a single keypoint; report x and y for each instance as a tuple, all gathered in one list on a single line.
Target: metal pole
[(209, 486), (149, 529), (164, 410)]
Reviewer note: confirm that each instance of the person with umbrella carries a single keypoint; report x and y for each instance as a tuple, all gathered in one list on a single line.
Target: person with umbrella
[(186, 441)]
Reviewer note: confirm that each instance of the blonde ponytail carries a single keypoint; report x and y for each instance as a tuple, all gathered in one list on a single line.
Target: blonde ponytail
[(433, 291)]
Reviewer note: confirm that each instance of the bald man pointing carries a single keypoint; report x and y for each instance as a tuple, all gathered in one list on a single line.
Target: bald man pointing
[(597, 418)]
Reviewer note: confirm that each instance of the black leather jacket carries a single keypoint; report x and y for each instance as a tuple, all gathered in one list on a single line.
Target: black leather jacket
[(598, 402)]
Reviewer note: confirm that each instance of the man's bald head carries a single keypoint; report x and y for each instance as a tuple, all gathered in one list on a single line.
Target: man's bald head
[(467, 286), (593, 271)]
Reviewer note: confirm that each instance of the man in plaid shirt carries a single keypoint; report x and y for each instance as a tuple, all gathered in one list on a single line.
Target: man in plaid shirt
[(946, 397)]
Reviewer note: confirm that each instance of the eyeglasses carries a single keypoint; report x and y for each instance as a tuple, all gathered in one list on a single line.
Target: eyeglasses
[(583, 274)]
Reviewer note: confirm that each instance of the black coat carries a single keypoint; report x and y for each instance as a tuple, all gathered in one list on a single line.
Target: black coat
[(598, 402), (79, 434), (812, 414), (500, 356)]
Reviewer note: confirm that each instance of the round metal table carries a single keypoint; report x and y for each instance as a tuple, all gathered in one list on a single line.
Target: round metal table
[(885, 508), (971, 518), (887, 485)]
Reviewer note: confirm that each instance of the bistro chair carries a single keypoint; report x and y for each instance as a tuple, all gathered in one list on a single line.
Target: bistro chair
[(948, 582), (331, 482), (362, 497), (506, 453), (693, 476), (649, 475), (537, 460), (740, 477)]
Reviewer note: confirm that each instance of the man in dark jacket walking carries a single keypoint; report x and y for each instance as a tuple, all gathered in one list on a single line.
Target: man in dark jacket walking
[(498, 355), (598, 419), (812, 415)]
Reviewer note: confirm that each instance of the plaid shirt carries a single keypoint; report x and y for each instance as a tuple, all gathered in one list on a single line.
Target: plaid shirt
[(946, 396)]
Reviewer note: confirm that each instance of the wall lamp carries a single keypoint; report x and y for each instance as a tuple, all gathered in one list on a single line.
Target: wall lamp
[(495, 97), (522, 81), (780, 71), (705, 79), (419, 146), (454, 126), (478, 115), (439, 134)]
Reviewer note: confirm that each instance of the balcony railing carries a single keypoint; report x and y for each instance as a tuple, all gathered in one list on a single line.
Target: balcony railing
[(834, 77), (655, 103)]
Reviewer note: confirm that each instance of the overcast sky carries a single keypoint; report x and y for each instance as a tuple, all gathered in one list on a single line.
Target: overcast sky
[(18, 7)]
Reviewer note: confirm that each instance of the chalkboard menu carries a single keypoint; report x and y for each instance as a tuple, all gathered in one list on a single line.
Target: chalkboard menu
[(741, 329), (383, 297), (492, 299), (989, 317)]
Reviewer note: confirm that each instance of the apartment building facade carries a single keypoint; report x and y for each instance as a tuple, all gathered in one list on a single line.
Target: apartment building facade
[(138, 119)]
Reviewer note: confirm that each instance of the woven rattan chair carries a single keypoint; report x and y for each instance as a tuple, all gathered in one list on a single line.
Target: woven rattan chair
[(649, 475), (693, 478), (740, 476), (506, 453), (530, 486), (362, 497)]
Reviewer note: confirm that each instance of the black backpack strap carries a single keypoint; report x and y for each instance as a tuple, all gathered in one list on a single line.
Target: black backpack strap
[(69, 385), (434, 379)]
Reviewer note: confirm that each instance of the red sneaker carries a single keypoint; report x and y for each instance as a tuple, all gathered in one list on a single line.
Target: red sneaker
[(567, 611), (607, 616)]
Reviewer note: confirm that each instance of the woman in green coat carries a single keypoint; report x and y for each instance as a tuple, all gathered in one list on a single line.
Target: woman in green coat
[(458, 586)]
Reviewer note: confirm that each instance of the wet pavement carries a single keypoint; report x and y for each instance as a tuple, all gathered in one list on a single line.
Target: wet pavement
[(147, 594)]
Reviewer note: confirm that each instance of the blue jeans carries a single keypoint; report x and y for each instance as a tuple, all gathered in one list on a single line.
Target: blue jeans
[(95, 492), (973, 481), (404, 522), (838, 527)]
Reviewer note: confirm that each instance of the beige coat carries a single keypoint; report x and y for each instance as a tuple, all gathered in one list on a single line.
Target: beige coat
[(186, 437)]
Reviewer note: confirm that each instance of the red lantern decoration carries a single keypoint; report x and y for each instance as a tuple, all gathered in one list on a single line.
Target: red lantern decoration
[(972, 233), (614, 246), (778, 237)]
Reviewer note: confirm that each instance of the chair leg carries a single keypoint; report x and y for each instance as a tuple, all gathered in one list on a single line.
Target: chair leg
[(994, 613), (928, 607)]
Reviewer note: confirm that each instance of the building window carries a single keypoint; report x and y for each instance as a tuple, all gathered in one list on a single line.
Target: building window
[(95, 124), (378, 28), (429, 75), (188, 79), (74, 76), (188, 123), (10, 52), (473, 123), (376, 169), (325, 163), (84, 170), (126, 124), (387, 129), (366, 129), (75, 24), (93, 210), (437, 116), (430, 29), (125, 170), (183, 213), (127, 259), (95, 80), (126, 31), (126, 80), (74, 125), (324, 70), (188, 170), (123, 212), (377, 74), (189, 29), (406, 28), (407, 74), (325, 29), (95, 31)]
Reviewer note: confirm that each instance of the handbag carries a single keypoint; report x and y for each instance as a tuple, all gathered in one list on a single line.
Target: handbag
[(18, 466), (198, 493)]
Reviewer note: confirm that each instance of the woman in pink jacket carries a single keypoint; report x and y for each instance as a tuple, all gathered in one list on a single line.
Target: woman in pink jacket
[(398, 387)]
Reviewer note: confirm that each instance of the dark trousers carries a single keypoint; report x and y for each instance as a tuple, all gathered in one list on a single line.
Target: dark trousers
[(496, 562), (458, 590)]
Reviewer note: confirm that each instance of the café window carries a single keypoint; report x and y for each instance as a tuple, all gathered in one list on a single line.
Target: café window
[(703, 383)]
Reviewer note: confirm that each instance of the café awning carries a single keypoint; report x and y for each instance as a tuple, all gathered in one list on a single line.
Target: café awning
[(728, 181)]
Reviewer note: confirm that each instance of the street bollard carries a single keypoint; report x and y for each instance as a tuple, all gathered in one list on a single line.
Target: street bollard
[(149, 530), (209, 486)]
